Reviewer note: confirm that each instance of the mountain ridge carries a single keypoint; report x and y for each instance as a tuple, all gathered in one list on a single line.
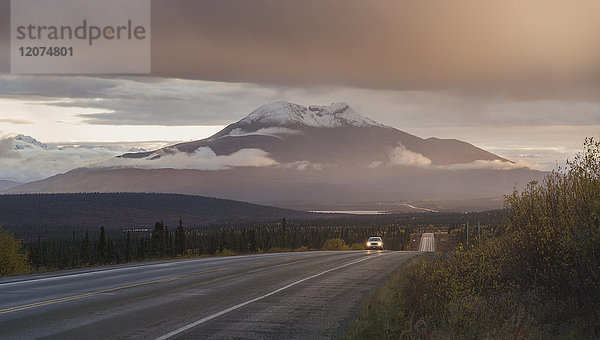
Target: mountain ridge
[(126, 210), (334, 134)]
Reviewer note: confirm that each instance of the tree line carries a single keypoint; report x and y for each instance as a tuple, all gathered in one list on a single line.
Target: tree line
[(112, 247), (69, 247)]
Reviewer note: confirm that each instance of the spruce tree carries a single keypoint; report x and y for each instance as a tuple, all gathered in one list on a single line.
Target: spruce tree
[(101, 247), (110, 251), (128, 247), (283, 238), (158, 239), (86, 250), (252, 240), (180, 238)]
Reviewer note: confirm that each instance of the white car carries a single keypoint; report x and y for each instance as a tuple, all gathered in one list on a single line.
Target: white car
[(375, 243)]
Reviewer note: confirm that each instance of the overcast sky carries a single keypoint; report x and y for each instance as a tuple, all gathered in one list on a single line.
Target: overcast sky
[(518, 78)]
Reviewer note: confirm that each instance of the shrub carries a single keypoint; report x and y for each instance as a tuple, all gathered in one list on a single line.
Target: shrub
[(13, 260), (335, 244), (539, 278), (225, 252), (278, 250), (357, 246)]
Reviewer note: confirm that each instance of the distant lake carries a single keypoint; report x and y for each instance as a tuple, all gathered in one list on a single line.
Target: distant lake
[(353, 212)]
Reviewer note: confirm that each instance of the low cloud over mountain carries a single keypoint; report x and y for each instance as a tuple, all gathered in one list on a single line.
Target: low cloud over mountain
[(25, 159), (202, 158)]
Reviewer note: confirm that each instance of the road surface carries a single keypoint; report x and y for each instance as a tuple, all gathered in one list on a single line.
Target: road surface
[(268, 296), (427, 242)]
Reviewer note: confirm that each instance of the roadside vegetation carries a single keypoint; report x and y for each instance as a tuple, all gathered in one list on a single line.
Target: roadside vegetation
[(13, 259), (538, 276)]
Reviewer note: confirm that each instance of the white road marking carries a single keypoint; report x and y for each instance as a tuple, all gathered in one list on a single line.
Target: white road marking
[(225, 311), (427, 242)]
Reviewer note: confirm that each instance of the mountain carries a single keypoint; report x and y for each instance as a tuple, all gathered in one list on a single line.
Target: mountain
[(8, 184), (23, 142), (327, 135), (284, 153), (126, 210)]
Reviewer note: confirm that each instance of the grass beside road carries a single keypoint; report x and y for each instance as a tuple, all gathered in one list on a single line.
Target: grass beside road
[(384, 315)]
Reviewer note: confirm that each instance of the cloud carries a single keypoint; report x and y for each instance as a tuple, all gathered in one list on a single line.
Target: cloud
[(140, 100), (408, 45), (269, 131), (525, 48), (34, 164), (179, 102), (400, 155), (201, 159), (16, 121), (6, 148), (375, 164), (303, 165), (492, 165)]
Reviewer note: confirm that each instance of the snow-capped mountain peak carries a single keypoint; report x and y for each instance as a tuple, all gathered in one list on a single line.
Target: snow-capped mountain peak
[(27, 142), (283, 113)]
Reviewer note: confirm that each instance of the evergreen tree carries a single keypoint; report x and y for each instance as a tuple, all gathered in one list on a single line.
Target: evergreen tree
[(180, 238), (252, 240), (168, 242), (158, 239), (35, 254), (283, 238), (101, 247), (86, 250), (212, 244), (128, 247), (142, 253), (110, 251)]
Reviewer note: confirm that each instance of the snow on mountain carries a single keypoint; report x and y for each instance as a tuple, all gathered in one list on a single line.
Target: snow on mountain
[(283, 113), (22, 142), (136, 149), (24, 158)]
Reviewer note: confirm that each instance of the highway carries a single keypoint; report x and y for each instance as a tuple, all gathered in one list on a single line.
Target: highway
[(268, 296), (427, 242)]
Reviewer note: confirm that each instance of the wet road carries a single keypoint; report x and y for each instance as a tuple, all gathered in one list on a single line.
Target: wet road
[(285, 295)]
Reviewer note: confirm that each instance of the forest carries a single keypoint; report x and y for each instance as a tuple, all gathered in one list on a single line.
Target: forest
[(69, 247)]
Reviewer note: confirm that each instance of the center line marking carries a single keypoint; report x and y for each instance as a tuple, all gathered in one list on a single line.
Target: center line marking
[(230, 309), (90, 294)]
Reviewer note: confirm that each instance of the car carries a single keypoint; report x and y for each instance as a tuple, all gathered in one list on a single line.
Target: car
[(375, 243)]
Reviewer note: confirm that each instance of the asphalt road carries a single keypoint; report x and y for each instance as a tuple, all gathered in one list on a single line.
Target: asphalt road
[(268, 296), (427, 242)]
